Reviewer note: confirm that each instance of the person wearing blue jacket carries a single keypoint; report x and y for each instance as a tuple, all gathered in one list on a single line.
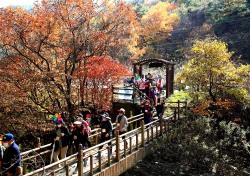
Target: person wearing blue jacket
[(11, 162)]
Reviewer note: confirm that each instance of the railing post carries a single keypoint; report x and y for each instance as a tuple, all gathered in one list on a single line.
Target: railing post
[(67, 170), (136, 141), (80, 160), (147, 135), (91, 165), (131, 127), (24, 168), (39, 145), (100, 160), (161, 125), (156, 130), (130, 145), (97, 137), (38, 142), (178, 110), (152, 133), (175, 115), (117, 145), (142, 133), (186, 108)]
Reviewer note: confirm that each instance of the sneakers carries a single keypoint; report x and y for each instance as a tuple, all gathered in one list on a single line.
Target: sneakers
[(97, 156)]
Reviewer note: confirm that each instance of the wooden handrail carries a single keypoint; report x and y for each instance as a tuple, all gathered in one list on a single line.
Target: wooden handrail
[(133, 133)]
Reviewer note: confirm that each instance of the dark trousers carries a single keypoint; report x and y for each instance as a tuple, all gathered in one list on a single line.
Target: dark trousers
[(122, 132), (103, 139)]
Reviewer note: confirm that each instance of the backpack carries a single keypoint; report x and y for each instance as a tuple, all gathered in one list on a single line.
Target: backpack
[(86, 127)]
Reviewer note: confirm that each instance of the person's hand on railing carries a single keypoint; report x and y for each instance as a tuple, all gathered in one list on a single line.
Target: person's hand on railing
[(107, 135), (97, 126)]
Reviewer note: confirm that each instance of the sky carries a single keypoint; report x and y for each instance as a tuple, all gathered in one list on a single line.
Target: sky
[(4, 3)]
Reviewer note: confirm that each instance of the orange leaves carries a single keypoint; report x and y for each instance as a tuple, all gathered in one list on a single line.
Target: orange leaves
[(100, 73), (159, 20)]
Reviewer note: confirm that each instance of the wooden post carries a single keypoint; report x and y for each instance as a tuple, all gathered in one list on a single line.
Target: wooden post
[(117, 145), (156, 130), (147, 135), (124, 148), (100, 160), (130, 144), (167, 82), (136, 141), (178, 110), (165, 126), (24, 168), (142, 133), (38, 142), (97, 137), (161, 125), (91, 165), (186, 109), (131, 124), (152, 133), (80, 160), (175, 115), (67, 170), (38, 145)]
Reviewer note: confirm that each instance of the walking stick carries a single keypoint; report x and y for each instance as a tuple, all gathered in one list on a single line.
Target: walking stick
[(52, 152)]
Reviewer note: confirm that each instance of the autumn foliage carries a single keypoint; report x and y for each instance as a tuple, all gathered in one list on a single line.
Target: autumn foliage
[(63, 54)]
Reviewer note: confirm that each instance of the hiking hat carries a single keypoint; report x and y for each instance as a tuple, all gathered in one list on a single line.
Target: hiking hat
[(122, 110), (77, 123), (8, 137), (106, 115), (79, 116)]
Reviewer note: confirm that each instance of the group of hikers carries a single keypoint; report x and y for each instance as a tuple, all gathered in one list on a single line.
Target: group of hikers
[(64, 137), (147, 84), (150, 90)]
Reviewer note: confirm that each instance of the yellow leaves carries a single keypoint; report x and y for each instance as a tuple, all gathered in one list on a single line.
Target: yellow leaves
[(211, 67), (159, 19)]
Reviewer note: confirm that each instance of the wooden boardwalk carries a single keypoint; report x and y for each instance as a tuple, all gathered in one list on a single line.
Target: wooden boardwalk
[(88, 164)]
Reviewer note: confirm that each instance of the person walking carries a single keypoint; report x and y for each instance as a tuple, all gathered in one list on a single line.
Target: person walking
[(147, 111), (11, 163), (61, 140), (122, 123), (159, 102), (79, 137), (86, 127), (106, 131)]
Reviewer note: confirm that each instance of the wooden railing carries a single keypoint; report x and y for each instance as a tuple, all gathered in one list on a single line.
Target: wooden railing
[(136, 138)]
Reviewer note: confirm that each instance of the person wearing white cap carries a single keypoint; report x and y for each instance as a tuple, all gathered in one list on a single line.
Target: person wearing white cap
[(106, 131), (122, 123)]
